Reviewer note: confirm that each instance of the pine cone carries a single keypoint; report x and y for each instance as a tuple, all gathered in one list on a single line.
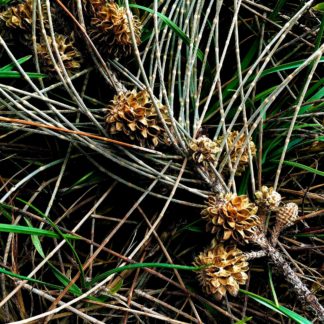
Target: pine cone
[(204, 150), (226, 270), (110, 31), (286, 217), (70, 56), (133, 117), (229, 216), (19, 16), (236, 150), (267, 198)]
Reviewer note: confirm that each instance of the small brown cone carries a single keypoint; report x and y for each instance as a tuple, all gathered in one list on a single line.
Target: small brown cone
[(267, 198), (110, 31), (226, 270), (204, 150), (131, 116), (285, 217), (19, 16), (237, 149), (231, 216), (70, 56)]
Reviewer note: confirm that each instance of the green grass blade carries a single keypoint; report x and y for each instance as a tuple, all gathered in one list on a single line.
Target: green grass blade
[(303, 167), (277, 8), (317, 96), (9, 67), (318, 85), (287, 66), (319, 36), (319, 7), (269, 147), (15, 275), (106, 274), (36, 241), (7, 70), (4, 2), (264, 93), (19, 229), (279, 309), (17, 75), (74, 289), (273, 291), (4, 212)]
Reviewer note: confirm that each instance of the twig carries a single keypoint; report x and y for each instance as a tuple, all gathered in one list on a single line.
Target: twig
[(303, 293)]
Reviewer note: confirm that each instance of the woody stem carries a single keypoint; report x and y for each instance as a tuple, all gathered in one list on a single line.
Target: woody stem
[(303, 293)]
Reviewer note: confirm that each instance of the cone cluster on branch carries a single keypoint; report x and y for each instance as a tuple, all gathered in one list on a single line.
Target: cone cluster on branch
[(110, 30), (131, 116), (205, 150), (231, 216), (239, 151), (226, 269)]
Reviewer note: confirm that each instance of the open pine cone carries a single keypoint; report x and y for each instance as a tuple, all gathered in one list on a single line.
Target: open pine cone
[(236, 150), (267, 198), (109, 29), (204, 150), (70, 56), (133, 117), (19, 16), (226, 270), (231, 216)]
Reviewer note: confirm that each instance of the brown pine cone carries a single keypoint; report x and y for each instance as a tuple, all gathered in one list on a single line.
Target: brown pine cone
[(226, 270)]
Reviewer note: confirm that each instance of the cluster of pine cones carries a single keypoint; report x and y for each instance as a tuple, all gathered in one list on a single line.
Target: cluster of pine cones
[(131, 115), (106, 24), (204, 150), (233, 219)]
